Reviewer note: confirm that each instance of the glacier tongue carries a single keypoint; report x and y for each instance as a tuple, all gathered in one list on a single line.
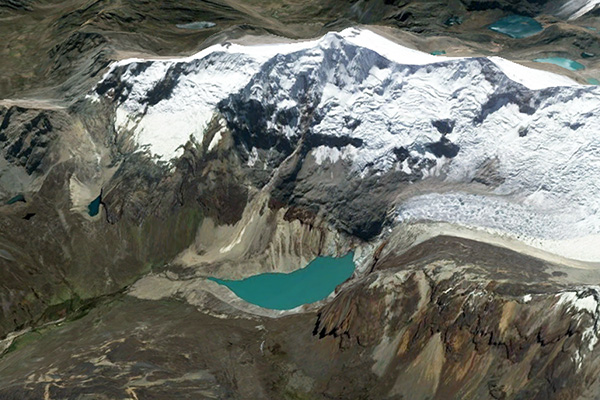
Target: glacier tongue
[(529, 136)]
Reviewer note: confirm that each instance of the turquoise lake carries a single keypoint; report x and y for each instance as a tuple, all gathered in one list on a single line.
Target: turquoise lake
[(517, 26), (562, 62), (593, 81), (279, 291)]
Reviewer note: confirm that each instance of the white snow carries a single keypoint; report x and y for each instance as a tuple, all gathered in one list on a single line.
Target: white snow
[(170, 123), (325, 153), (532, 78), (555, 228), (253, 157), (574, 9), (389, 49), (387, 96), (215, 72), (574, 300), (216, 139)]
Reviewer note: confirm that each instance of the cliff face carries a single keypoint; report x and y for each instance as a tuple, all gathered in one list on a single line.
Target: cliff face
[(344, 125), (462, 327)]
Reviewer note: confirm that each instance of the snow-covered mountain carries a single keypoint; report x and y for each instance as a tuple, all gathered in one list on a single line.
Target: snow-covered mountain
[(516, 150), (573, 9)]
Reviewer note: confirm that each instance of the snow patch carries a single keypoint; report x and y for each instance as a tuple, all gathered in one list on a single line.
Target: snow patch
[(216, 139), (253, 157), (585, 300), (574, 9), (325, 153)]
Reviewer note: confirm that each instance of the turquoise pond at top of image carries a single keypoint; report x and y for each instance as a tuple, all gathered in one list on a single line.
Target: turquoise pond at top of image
[(562, 62), (517, 26), (280, 291)]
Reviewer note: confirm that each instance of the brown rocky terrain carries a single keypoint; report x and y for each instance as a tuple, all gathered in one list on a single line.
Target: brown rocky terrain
[(451, 325)]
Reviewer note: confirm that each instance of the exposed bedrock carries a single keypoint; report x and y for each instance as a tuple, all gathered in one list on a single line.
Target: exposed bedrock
[(204, 214), (55, 256), (454, 324), (441, 321)]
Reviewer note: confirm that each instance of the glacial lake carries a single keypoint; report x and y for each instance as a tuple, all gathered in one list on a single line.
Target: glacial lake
[(18, 198), (562, 62), (280, 291), (94, 206), (517, 26)]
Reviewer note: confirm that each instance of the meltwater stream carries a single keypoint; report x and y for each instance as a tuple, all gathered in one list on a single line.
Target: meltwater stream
[(280, 291)]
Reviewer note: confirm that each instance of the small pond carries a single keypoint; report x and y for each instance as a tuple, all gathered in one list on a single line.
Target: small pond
[(561, 62), (18, 198), (438, 52), (94, 206), (280, 291), (593, 81), (517, 26)]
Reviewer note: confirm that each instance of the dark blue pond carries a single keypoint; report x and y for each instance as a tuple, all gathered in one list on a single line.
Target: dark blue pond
[(16, 199), (517, 26), (94, 206), (286, 291)]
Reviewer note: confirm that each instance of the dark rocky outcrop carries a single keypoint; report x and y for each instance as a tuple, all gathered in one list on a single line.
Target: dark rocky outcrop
[(25, 136)]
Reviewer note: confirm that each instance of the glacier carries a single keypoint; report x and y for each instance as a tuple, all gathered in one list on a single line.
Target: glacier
[(573, 9), (212, 74), (517, 146)]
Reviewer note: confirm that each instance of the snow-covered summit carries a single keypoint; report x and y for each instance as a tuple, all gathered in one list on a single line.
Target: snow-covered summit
[(164, 102), (530, 137)]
